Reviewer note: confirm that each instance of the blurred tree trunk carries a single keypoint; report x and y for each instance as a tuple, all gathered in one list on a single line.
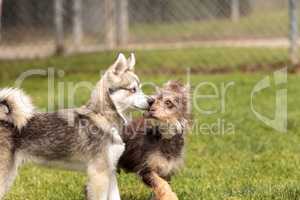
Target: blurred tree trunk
[(77, 22), (110, 21), (59, 26), (1, 19), (235, 10), (293, 32), (122, 22)]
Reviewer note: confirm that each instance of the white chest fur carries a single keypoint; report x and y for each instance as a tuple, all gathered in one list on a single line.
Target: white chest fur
[(115, 149)]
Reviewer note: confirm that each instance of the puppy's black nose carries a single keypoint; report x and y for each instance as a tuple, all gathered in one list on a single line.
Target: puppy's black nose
[(150, 101)]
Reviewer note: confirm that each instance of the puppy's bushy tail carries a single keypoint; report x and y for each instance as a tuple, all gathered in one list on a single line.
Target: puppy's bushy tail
[(15, 107)]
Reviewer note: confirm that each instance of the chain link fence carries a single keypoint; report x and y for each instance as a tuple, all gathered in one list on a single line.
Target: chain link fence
[(35, 28)]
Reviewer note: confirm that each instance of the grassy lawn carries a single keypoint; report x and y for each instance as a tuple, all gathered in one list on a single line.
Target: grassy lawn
[(257, 24), (251, 162), (152, 61)]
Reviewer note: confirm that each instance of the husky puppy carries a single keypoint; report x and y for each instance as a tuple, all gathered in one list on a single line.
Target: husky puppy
[(154, 143), (85, 138)]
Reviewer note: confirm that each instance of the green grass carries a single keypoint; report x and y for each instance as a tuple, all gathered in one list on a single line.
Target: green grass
[(152, 61), (258, 24), (253, 162)]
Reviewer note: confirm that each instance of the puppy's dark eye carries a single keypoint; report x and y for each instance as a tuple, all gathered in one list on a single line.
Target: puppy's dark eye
[(169, 104), (132, 90)]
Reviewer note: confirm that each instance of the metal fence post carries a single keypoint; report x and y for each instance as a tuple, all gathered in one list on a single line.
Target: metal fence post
[(77, 22), (293, 32), (1, 3), (122, 22), (110, 22), (235, 10), (59, 27)]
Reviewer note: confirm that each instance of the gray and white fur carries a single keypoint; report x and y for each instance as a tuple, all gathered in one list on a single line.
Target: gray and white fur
[(85, 138)]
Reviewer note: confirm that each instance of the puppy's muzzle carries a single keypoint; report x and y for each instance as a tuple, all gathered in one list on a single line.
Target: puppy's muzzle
[(150, 101), (150, 110)]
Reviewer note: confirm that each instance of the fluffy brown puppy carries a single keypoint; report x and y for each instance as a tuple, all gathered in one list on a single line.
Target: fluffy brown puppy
[(155, 143)]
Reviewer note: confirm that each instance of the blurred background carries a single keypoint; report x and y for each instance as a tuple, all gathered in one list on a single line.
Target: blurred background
[(211, 43), (33, 28)]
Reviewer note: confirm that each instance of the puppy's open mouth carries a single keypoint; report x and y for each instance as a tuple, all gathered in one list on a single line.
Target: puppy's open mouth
[(149, 114)]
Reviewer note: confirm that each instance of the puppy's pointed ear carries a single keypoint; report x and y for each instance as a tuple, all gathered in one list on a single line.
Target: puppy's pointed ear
[(169, 83), (187, 89), (173, 85), (157, 89), (131, 62), (4, 109), (120, 65)]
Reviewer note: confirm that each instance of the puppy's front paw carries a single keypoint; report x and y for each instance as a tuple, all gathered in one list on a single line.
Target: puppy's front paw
[(168, 196)]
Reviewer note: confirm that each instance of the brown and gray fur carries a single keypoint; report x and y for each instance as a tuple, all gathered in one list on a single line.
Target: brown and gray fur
[(155, 143), (85, 138)]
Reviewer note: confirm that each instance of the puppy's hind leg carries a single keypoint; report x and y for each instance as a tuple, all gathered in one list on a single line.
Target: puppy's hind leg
[(4, 171), (8, 170)]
